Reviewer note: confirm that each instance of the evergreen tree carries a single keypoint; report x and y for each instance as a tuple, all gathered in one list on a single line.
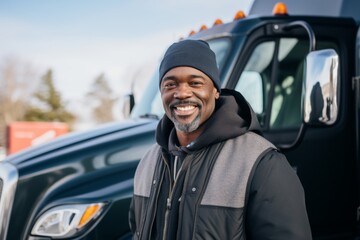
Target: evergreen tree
[(50, 107)]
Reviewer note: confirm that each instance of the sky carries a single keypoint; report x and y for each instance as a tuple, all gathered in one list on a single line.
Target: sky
[(81, 39)]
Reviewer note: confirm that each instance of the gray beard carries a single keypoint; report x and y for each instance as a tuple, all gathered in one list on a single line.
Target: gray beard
[(188, 127)]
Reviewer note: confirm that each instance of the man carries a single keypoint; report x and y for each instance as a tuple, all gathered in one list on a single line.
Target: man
[(211, 175)]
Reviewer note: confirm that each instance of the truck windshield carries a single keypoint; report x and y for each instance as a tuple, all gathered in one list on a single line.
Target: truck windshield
[(150, 105)]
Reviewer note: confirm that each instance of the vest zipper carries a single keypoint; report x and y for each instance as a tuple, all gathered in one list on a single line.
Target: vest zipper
[(168, 200)]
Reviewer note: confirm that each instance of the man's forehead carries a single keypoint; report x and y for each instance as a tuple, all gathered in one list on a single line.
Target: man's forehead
[(185, 71)]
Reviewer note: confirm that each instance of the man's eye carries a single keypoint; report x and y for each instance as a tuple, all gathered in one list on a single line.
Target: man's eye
[(196, 83), (169, 85)]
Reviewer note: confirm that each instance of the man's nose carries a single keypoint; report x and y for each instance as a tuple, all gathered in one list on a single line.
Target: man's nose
[(183, 91)]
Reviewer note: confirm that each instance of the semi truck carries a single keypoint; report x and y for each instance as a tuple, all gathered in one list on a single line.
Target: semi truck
[(300, 72)]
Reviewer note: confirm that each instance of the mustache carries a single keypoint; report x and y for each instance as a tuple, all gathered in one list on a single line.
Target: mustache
[(184, 102)]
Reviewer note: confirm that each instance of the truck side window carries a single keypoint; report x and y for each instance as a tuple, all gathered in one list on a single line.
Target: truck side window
[(278, 67), (254, 81), (286, 107)]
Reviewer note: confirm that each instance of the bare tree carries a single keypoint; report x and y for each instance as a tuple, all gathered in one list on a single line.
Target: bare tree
[(16, 87), (102, 98)]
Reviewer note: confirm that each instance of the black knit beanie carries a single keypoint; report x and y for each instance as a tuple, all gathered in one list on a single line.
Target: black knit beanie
[(191, 53)]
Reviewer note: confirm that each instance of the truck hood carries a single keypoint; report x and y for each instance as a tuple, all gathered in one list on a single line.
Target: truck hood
[(78, 137)]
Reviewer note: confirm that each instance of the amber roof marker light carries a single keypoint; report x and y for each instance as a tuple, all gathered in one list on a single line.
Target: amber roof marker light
[(192, 32), (203, 27), (239, 15), (280, 9), (218, 22)]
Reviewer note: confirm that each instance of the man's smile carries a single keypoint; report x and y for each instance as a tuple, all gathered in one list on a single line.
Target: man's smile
[(185, 109)]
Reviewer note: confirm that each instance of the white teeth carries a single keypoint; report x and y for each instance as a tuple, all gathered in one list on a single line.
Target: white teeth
[(185, 108)]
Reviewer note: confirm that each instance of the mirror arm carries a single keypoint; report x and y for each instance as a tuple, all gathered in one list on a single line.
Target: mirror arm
[(131, 102), (297, 140), (128, 105), (308, 29), (312, 45)]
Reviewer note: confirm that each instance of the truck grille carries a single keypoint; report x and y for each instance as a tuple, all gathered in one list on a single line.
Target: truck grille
[(8, 181)]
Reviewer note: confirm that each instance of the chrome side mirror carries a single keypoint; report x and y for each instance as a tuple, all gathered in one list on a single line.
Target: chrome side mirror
[(321, 87)]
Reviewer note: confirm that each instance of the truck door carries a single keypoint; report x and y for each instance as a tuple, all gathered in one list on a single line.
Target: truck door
[(271, 79)]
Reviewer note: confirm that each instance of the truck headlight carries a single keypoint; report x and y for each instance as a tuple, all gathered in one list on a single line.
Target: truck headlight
[(66, 220)]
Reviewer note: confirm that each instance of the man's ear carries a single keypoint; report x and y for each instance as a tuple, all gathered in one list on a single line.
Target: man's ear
[(216, 92)]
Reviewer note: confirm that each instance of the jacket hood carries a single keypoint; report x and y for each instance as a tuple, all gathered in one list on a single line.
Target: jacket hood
[(233, 116)]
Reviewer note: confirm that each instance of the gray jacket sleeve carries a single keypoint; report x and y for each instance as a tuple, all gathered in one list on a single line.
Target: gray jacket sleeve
[(276, 202)]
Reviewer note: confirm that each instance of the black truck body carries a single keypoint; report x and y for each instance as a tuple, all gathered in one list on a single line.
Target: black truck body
[(266, 58)]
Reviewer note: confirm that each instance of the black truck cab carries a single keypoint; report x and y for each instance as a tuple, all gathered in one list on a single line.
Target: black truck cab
[(299, 74)]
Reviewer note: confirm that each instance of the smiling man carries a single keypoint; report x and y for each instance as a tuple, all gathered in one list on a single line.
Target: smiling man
[(189, 100), (211, 175)]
